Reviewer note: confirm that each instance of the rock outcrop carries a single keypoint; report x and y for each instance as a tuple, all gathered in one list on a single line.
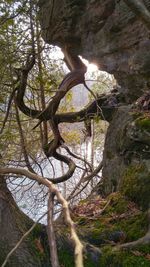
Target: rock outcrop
[(105, 32), (110, 34)]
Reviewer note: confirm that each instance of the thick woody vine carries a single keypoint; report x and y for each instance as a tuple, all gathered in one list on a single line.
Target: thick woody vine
[(75, 77)]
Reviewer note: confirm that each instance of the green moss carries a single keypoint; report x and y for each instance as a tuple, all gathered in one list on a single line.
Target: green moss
[(99, 225), (133, 227), (136, 185), (95, 235), (143, 123), (36, 231), (144, 249), (111, 258), (118, 203), (136, 114), (66, 258), (81, 220), (39, 232), (96, 231), (89, 263), (130, 260)]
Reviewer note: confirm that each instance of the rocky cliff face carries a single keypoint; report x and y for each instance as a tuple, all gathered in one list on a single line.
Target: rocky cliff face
[(108, 33)]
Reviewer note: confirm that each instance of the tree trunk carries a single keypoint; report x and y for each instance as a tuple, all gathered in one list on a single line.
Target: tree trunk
[(13, 224)]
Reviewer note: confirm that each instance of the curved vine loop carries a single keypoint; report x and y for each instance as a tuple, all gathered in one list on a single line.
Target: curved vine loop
[(75, 77)]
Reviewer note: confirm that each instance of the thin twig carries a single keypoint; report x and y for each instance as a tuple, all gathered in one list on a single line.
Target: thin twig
[(8, 110)]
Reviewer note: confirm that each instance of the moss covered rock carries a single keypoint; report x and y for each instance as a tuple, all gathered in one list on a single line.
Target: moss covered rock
[(136, 185), (122, 221), (128, 167)]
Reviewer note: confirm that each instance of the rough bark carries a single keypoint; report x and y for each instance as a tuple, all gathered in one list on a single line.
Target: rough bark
[(13, 224)]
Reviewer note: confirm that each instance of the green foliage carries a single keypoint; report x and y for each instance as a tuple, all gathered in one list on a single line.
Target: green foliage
[(72, 137), (119, 203), (15, 45)]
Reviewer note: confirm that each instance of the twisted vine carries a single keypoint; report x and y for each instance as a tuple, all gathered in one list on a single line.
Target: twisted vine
[(75, 77)]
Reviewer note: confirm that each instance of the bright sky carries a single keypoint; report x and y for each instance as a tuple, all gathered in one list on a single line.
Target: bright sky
[(92, 70), (57, 54)]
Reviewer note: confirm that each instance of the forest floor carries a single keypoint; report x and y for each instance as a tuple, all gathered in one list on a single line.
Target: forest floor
[(105, 224)]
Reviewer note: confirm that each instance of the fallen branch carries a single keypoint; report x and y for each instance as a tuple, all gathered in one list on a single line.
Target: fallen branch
[(145, 240), (41, 180)]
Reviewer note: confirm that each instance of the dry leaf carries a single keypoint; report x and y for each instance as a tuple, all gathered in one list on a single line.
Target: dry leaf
[(147, 257)]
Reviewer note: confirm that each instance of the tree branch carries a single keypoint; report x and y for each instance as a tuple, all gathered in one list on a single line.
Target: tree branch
[(8, 110)]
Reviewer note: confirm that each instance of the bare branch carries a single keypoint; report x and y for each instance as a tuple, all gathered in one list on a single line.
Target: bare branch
[(90, 111), (94, 173), (8, 109), (76, 156), (76, 187), (141, 241), (22, 141)]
